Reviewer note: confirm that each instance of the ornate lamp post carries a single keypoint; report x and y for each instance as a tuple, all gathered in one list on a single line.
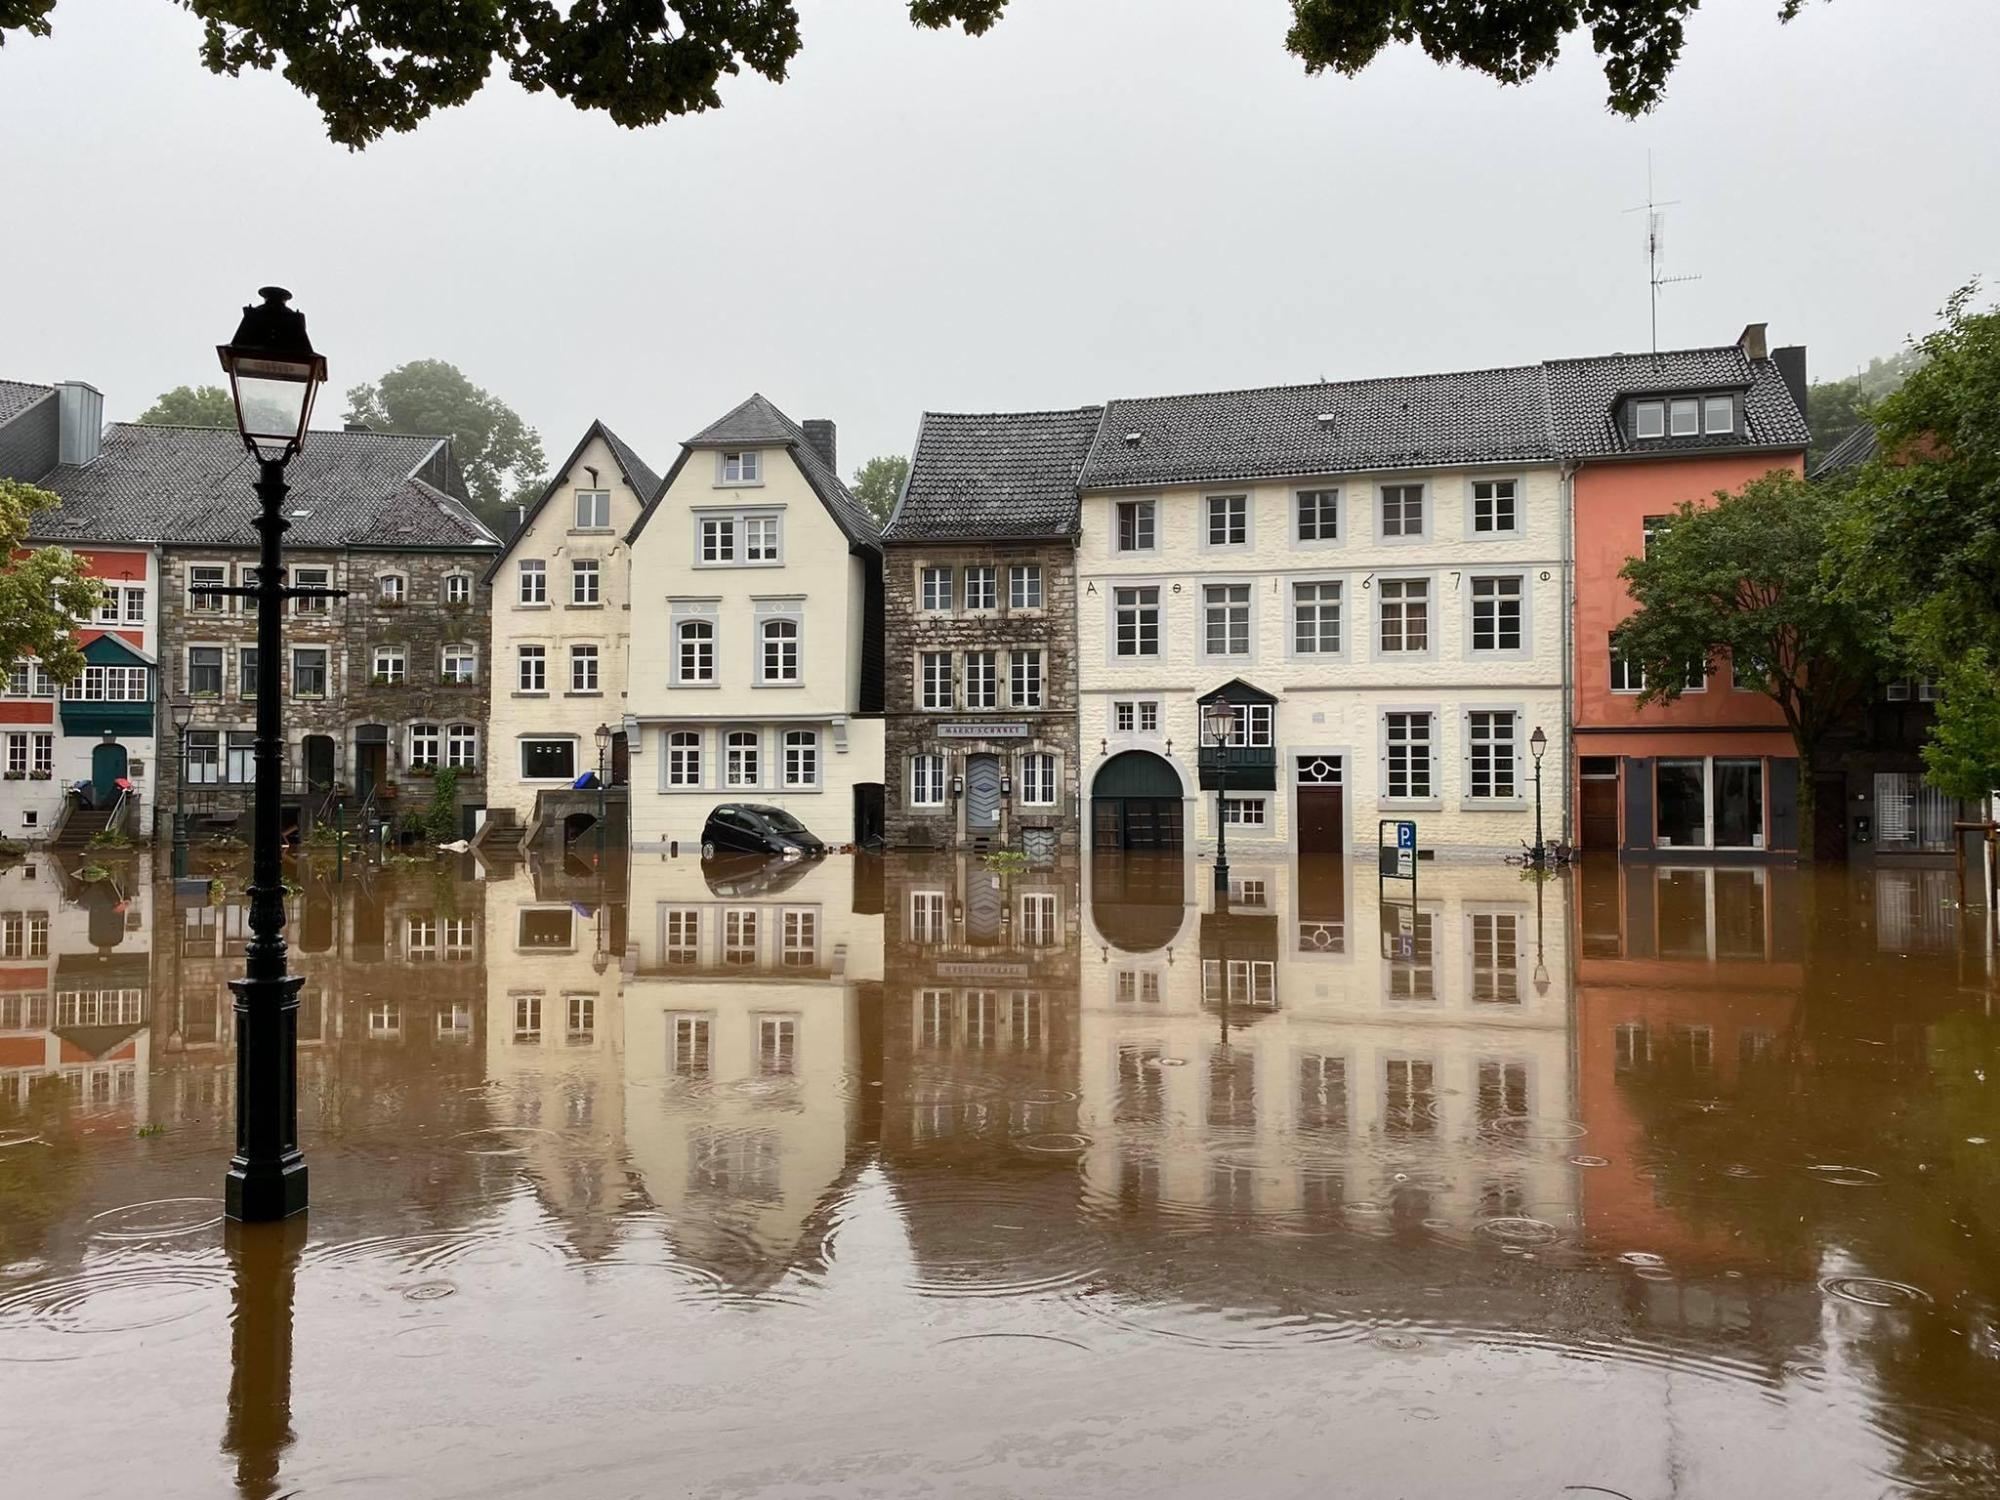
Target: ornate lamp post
[(603, 752), (1538, 743), (273, 377), (1218, 728), (180, 712)]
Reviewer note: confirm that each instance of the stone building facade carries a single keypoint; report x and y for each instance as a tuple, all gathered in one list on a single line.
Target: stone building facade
[(980, 635)]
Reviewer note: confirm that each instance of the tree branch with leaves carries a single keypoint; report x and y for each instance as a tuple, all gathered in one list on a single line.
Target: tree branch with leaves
[(44, 591), (1748, 580)]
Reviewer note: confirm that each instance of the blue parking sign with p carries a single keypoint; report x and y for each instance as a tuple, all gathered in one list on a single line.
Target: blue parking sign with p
[(1406, 835)]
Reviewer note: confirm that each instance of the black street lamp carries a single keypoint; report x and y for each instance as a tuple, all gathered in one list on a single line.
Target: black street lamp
[(603, 750), (180, 712), (1218, 728), (273, 376), (1538, 743)]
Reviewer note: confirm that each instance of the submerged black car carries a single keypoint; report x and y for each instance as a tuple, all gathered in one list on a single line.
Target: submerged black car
[(751, 828)]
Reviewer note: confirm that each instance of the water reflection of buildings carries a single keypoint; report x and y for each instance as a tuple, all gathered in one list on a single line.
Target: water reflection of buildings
[(1308, 1044), (76, 991), (744, 990)]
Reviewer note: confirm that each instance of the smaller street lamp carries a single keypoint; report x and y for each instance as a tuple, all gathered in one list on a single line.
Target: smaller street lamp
[(603, 750), (1538, 743), (180, 713), (1218, 728)]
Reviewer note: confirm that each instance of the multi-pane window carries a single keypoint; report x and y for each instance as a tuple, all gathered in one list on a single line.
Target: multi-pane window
[(582, 1017), (593, 510), (425, 743), (240, 758), (1228, 520), (45, 754), (1318, 515), (1627, 676), (1655, 528), (1406, 614), (391, 666), (312, 578), (1496, 949), (798, 940), (1149, 717), (1406, 755), (527, 1018), (694, 651), (718, 539), (204, 671), (1402, 510), (458, 662), (1039, 925), (1322, 1092), (1493, 502), (1136, 621), (982, 679), (393, 589), (801, 757), (202, 576), (534, 669), (534, 581), (100, 684), (583, 669), (937, 589), (739, 758), (1226, 618), (691, 1046), (683, 757), (1038, 780), (1136, 525), (1496, 613), (585, 575), (982, 588), (739, 937), (780, 650), (1025, 679), (742, 468), (1024, 586), (934, 670), (1124, 717), (927, 781), (309, 672), (681, 941), (1253, 724), (1491, 748), (548, 760), (760, 539), (204, 757), (461, 748), (777, 1046), (1245, 811), (1316, 619)]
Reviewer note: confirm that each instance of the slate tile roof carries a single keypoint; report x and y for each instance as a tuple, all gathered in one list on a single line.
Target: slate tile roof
[(1475, 416), (1584, 393), (192, 485), (757, 422), (993, 475), (16, 396), (638, 474), (1851, 452)]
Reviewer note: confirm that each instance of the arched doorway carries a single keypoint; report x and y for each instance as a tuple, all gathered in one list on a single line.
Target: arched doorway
[(1135, 803), (108, 764)]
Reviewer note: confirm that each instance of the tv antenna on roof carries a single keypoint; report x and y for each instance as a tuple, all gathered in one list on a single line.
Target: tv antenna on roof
[(1656, 223)]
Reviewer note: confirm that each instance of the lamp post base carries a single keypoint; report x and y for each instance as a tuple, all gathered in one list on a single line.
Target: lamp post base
[(261, 1192), (1222, 874)]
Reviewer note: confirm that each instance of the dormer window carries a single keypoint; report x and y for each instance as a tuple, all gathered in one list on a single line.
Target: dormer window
[(1684, 417), (1649, 419), (1718, 414), (743, 468)]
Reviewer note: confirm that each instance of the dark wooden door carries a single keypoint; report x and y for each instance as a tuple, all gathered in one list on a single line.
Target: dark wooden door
[(107, 767), (1600, 812), (1322, 820), (621, 759), (319, 762)]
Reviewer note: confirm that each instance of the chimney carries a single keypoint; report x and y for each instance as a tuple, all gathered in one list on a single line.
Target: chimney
[(819, 432), (1791, 363), (1752, 341), (79, 422)]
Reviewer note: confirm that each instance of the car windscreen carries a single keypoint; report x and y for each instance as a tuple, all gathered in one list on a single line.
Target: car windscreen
[(784, 822)]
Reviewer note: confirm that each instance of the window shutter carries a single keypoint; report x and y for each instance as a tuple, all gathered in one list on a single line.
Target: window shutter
[(1437, 786)]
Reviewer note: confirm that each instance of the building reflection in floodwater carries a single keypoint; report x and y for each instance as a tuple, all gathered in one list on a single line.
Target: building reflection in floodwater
[(1732, 1120)]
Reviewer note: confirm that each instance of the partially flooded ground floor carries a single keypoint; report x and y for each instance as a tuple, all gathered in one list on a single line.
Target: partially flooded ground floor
[(944, 1175)]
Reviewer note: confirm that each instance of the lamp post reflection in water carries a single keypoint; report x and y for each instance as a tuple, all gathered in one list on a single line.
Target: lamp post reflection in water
[(258, 1430)]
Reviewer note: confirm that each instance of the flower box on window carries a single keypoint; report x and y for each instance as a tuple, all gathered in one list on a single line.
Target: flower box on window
[(423, 770), (41, 775), (16, 775)]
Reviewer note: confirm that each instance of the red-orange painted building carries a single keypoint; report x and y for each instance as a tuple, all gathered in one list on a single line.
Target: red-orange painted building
[(1716, 770)]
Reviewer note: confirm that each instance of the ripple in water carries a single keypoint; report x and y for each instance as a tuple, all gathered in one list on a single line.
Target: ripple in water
[(1535, 1128), (1590, 1161), (1054, 1143), (1873, 1291), (41, 1321), (1518, 1230), (991, 1243), (17, 1138), (1840, 1176), (163, 1218), (502, 1140)]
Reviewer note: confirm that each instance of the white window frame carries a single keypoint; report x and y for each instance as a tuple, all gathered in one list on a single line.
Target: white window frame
[(1231, 502), (461, 747), (1027, 678), (425, 745), (763, 534), (1433, 795), (715, 541), (391, 667), (1426, 512), (1039, 779), (1025, 587), (312, 576), (1686, 408), (937, 589), (936, 681), (988, 576), (1343, 634), (187, 668), (1473, 499), (392, 590), (1469, 796), (739, 468), (1159, 608), (1299, 497), (532, 584), (1709, 426), (927, 786), (581, 568), (208, 575), (1649, 420), (681, 760), (580, 654), (780, 629), (451, 583), (1617, 665), (982, 681), (1524, 598), (1145, 519), (1125, 716), (695, 630), (1431, 618), (537, 681), (458, 651), (801, 767), (1248, 604), (1246, 811), (598, 500), (742, 759)]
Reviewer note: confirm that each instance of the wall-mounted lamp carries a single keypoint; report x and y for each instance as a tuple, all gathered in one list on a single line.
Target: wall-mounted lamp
[(1006, 786), (1104, 747), (958, 786)]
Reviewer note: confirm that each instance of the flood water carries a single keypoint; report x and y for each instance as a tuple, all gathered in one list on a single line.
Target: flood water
[(911, 1177)]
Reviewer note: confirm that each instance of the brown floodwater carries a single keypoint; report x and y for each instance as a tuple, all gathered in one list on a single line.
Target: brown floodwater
[(913, 1177)]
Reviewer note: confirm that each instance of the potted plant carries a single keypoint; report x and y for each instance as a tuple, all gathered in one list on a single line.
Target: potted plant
[(41, 775), (17, 775)]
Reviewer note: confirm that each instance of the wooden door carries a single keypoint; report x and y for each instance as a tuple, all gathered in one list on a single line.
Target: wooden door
[(621, 759), (107, 767), (1600, 812), (1322, 820), (982, 794)]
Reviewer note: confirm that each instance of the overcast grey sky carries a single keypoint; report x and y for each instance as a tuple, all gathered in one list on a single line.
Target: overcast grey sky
[(1099, 198)]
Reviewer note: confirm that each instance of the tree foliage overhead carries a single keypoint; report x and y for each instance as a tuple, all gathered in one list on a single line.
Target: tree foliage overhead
[(191, 406), (489, 440), (385, 66), (1834, 408), (878, 484), (1923, 535), (1750, 578), (43, 592)]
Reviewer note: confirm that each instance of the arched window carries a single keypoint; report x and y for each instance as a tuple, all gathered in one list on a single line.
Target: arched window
[(781, 651), (459, 662), (392, 589), (456, 589), (739, 765), (461, 749), (425, 741)]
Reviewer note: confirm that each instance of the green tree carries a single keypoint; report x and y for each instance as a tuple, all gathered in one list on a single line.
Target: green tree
[(383, 67), (878, 484), (192, 406), (1750, 577), (1834, 408), (1922, 537), (490, 441), (43, 590)]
